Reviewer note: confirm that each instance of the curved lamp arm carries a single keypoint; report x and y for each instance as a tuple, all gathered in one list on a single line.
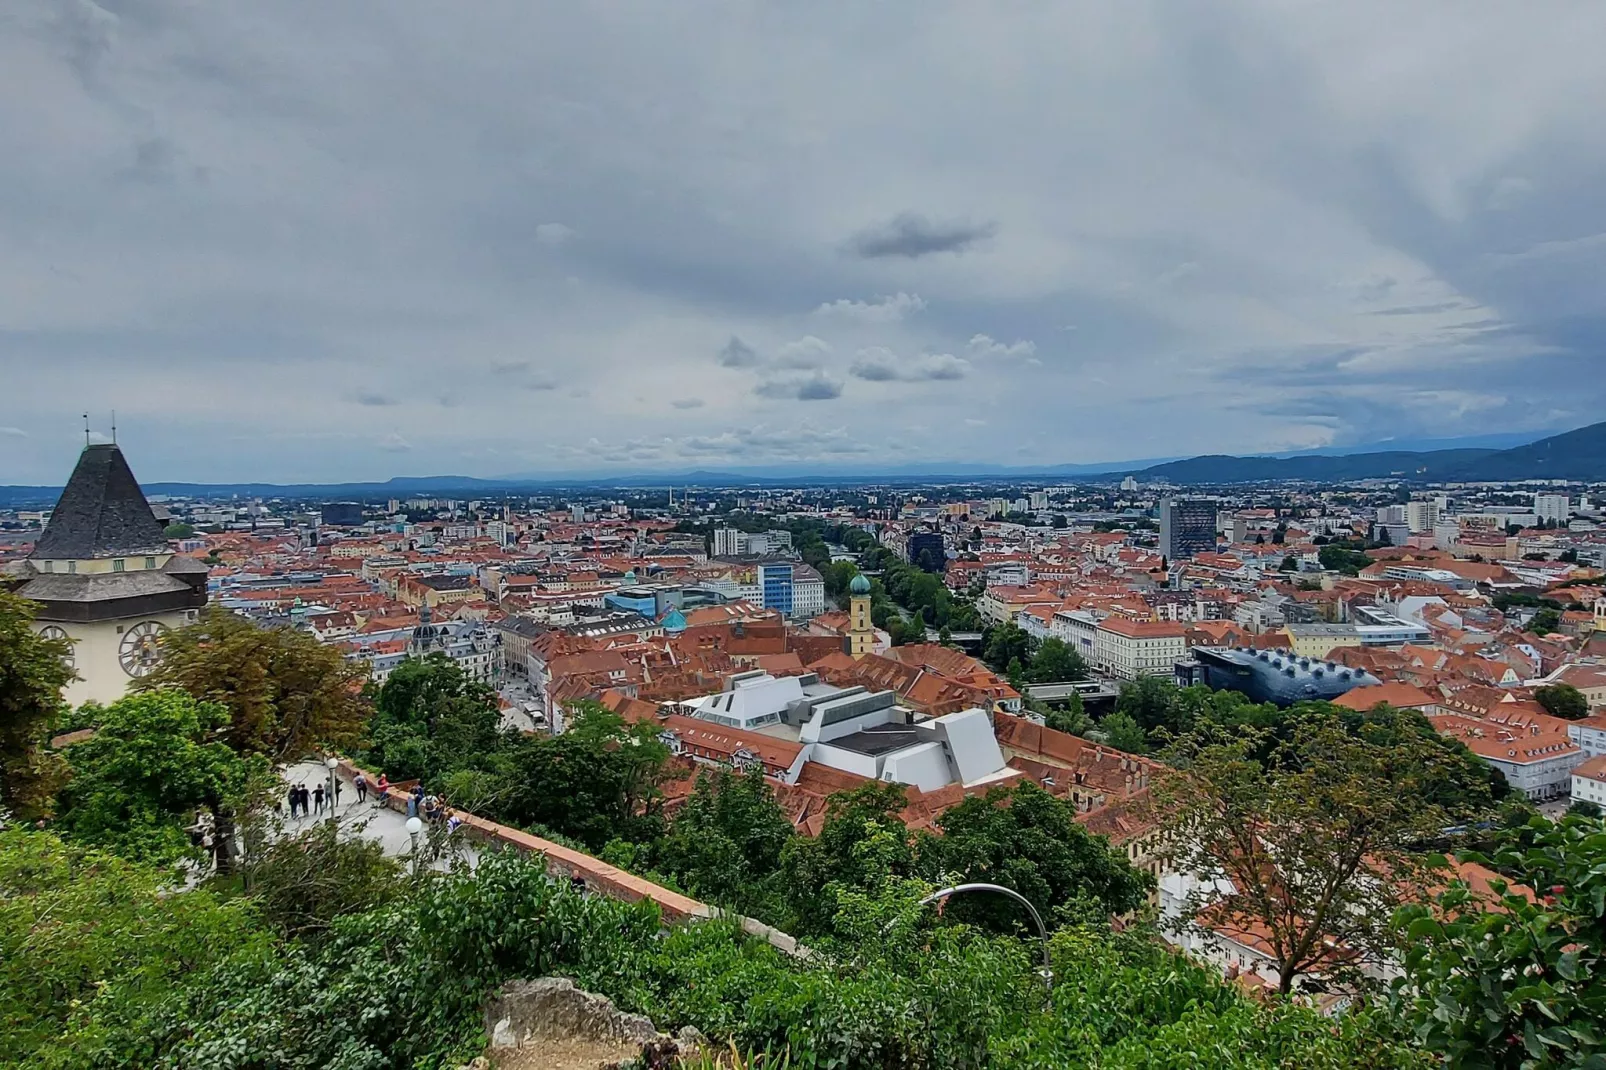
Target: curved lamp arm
[(1047, 971)]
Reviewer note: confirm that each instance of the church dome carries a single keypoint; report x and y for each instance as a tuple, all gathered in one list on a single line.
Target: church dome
[(674, 622), (630, 576), (860, 585)]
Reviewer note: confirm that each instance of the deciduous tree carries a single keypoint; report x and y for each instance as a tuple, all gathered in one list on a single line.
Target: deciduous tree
[(33, 670), (286, 694), (1320, 842)]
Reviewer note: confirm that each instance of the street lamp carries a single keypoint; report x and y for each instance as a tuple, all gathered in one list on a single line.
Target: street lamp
[(331, 763), (1046, 971), (414, 827)]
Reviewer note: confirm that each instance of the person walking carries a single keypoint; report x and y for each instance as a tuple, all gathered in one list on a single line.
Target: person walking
[(336, 800), (306, 800), (412, 803), (361, 784), (295, 800), (383, 789), (317, 799)]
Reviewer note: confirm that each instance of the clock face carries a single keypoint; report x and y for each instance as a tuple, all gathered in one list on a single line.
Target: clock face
[(50, 631), (140, 650)]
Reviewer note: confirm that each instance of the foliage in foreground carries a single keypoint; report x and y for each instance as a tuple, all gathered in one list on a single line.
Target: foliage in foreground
[(1521, 984), (183, 980)]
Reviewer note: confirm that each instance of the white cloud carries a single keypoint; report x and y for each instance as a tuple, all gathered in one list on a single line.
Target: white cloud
[(984, 348), (877, 364), (888, 309), (806, 352), (394, 443)]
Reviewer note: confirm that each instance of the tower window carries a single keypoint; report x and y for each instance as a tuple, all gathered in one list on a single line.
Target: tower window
[(50, 566), (72, 567), (150, 562), (117, 564)]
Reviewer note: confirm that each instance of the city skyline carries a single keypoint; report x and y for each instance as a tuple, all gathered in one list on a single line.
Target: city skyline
[(316, 245)]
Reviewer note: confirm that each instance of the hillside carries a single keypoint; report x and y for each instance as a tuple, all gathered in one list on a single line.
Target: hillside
[(1436, 464), (1579, 454)]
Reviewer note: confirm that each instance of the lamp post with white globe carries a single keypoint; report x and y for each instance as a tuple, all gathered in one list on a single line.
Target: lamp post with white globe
[(331, 763), (414, 827)]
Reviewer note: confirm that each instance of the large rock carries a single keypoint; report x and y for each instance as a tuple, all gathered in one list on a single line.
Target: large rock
[(527, 1014)]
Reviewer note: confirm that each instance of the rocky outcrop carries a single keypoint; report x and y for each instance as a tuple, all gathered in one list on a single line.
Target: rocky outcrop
[(528, 1014)]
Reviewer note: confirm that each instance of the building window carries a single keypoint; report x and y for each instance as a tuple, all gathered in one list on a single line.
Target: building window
[(50, 566), (117, 564), (72, 567), (150, 562)]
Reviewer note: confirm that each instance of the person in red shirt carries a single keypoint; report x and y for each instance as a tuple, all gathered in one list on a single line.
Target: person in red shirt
[(380, 789)]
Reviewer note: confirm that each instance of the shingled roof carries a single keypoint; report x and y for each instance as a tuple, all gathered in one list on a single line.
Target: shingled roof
[(101, 513)]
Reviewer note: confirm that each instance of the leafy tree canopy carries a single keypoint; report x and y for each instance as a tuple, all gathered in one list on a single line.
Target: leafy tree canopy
[(33, 671), (286, 694)]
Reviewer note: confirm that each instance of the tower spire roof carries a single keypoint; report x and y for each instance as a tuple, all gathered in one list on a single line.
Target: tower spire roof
[(101, 512)]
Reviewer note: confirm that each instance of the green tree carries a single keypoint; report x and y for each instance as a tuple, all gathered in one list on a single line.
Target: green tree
[(1339, 557), (1563, 700), (1029, 841), (286, 694), (1073, 718), (431, 719), (1004, 643), (155, 760), (1320, 843), (1123, 732), (1055, 661), (862, 843), (1290, 564), (1544, 622), (33, 670), (1148, 700), (301, 883), (178, 529), (1520, 981), (600, 780), (79, 926), (725, 842)]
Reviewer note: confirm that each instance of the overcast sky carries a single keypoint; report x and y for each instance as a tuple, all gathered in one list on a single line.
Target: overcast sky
[(314, 240)]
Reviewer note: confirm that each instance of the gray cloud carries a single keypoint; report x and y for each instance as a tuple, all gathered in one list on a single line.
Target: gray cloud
[(394, 443), (1386, 248), (877, 364), (817, 387), (738, 354), (912, 235), (687, 403), (807, 352), (372, 400)]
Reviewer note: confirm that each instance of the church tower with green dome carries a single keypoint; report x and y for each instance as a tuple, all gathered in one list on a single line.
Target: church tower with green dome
[(861, 633)]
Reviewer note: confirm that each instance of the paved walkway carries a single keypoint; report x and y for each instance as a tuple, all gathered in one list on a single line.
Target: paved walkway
[(387, 826)]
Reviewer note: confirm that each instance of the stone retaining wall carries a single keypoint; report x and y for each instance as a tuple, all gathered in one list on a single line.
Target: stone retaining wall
[(569, 864)]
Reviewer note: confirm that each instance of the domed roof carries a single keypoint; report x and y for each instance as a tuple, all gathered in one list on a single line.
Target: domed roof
[(674, 621), (630, 576), (860, 585)]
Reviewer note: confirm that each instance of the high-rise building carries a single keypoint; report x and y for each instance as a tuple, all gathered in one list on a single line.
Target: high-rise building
[(926, 551), (775, 586), (1554, 507), (729, 542), (107, 580), (1421, 516), (1039, 500), (1391, 514), (1187, 527)]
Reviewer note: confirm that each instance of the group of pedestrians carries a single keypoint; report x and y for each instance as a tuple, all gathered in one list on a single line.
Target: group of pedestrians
[(309, 803)]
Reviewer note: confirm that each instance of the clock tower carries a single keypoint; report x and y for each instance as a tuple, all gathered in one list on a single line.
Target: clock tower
[(106, 579)]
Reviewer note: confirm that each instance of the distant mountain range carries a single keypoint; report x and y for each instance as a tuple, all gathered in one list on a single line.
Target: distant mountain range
[(1577, 455)]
